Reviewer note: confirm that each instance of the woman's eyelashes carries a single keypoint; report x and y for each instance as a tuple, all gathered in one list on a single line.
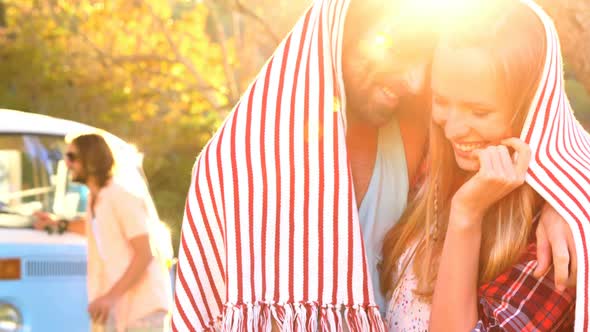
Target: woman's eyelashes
[(481, 112)]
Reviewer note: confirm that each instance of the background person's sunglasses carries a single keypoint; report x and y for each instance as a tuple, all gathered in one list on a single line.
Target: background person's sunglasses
[(71, 157)]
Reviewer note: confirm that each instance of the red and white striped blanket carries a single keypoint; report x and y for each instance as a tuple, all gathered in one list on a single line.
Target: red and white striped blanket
[(560, 166), (271, 227)]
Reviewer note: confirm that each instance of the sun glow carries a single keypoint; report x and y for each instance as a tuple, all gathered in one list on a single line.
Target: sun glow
[(416, 23)]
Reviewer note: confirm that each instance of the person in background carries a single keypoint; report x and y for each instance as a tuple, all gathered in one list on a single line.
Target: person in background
[(128, 290)]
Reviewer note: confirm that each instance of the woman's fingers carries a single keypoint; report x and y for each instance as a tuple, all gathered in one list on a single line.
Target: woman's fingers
[(571, 282), (497, 176), (505, 162), (561, 259), (496, 163), (543, 252), (523, 152), (485, 162)]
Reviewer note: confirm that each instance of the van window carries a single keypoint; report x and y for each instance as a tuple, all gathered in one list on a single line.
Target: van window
[(33, 177)]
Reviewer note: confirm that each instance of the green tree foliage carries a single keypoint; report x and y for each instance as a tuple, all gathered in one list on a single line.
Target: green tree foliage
[(578, 95), (161, 74), (572, 19)]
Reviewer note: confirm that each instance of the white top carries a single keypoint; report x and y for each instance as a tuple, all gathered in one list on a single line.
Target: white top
[(406, 311), (385, 199)]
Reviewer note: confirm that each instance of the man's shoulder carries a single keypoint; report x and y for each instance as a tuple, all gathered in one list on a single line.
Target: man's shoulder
[(112, 187), (118, 192)]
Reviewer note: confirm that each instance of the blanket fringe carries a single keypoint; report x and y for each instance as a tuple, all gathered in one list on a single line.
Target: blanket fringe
[(312, 323), (300, 317)]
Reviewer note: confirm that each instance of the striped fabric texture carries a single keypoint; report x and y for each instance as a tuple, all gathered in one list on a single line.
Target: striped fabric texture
[(560, 166), (271, 226)]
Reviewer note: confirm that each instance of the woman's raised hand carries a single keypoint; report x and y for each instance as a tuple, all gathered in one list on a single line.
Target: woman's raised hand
[(499, 174)]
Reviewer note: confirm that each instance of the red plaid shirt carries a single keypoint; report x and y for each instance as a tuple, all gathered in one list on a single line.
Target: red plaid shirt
[(517, 301)]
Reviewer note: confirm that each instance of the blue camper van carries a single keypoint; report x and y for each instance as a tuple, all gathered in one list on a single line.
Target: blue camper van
[(42, 276)]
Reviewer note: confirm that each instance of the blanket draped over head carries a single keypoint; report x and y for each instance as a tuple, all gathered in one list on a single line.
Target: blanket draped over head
[(271, 230), (560, 165)]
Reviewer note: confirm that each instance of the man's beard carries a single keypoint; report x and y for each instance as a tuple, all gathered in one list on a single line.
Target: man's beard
[(80, 178), (375, 116), (370, 112)]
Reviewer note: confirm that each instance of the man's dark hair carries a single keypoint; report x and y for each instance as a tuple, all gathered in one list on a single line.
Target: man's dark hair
[(96, 157)]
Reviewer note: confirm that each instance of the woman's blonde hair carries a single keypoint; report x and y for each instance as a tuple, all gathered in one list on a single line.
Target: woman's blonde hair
[(515, 38)]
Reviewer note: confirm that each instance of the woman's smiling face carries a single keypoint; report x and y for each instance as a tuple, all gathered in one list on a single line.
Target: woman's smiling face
[(468, 102)]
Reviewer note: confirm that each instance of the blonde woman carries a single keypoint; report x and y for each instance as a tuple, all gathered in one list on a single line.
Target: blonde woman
[(463, 254)]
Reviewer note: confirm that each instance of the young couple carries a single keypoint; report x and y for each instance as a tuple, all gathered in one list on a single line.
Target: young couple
[(272, 236)]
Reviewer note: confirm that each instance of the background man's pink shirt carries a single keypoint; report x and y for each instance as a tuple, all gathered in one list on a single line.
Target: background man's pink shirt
[(119, 216)]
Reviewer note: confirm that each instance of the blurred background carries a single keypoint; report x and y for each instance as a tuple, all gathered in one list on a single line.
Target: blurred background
[(164, 74)]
